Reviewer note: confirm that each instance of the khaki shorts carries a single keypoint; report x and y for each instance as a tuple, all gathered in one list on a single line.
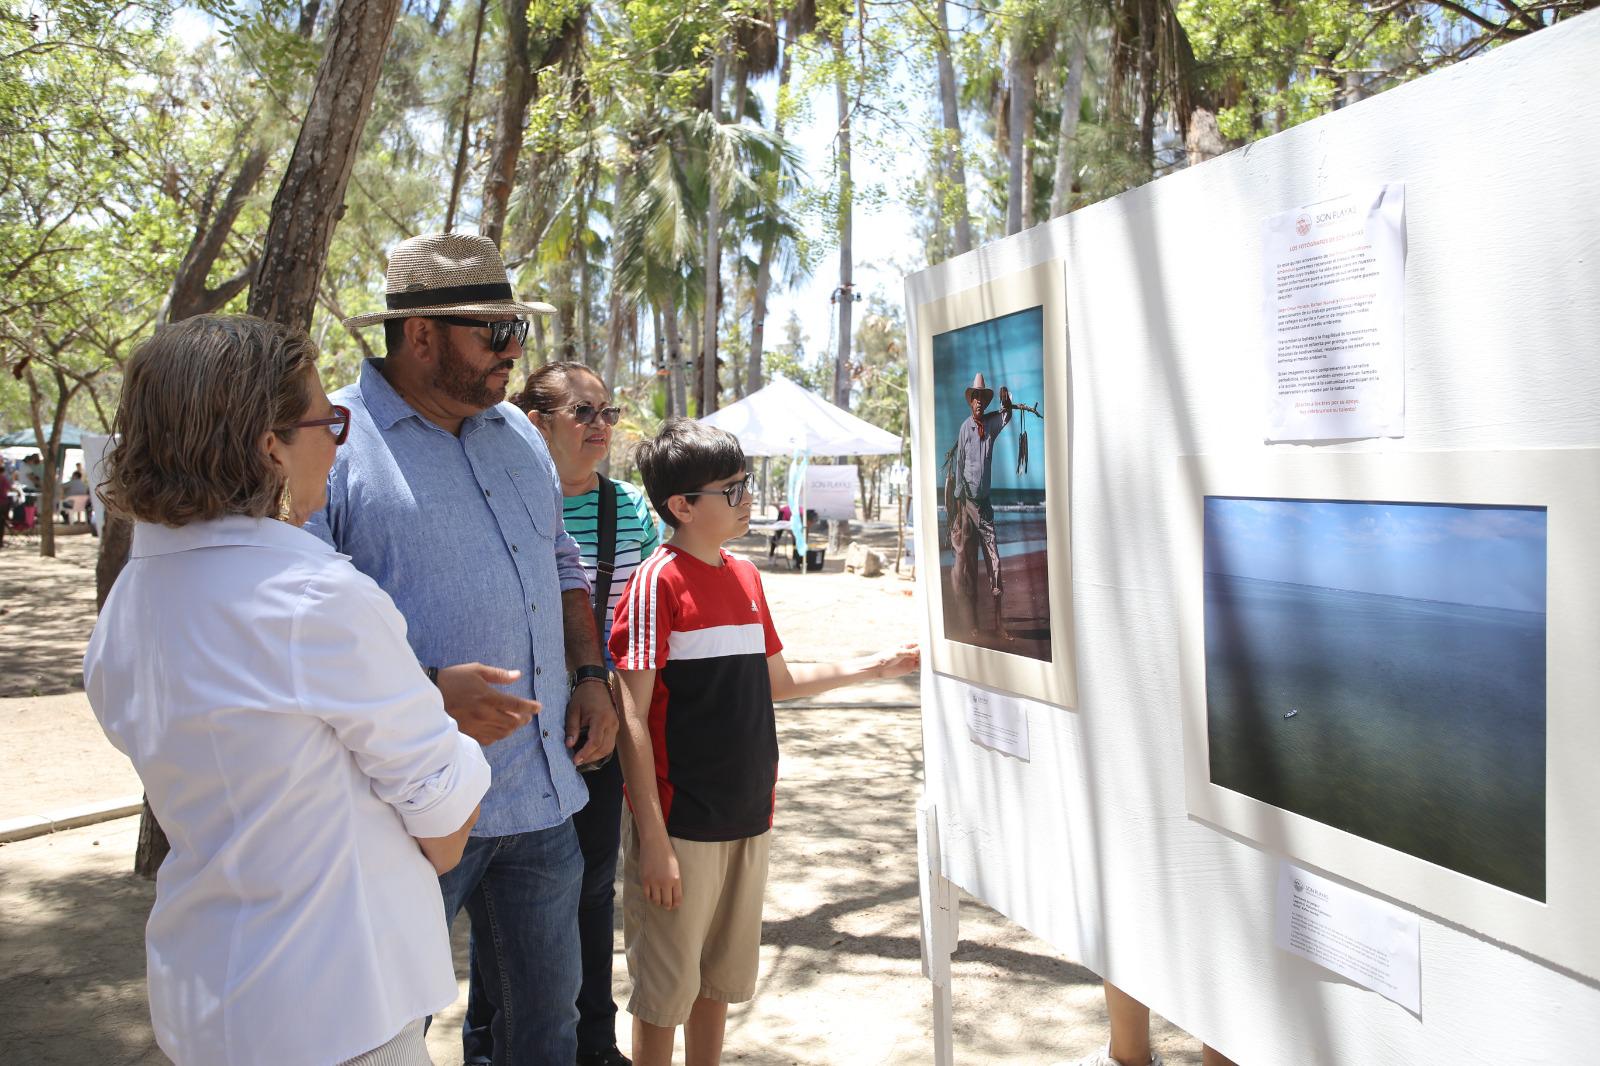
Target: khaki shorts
[(710, 946)]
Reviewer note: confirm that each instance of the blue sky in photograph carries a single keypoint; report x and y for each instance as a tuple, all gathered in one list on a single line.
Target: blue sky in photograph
[(1009, 351), (1483, 556)]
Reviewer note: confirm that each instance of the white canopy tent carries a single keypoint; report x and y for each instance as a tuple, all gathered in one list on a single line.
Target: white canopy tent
[(784, 418)]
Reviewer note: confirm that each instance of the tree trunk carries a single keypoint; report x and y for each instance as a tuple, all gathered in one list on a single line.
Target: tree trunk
[(311, 198), (189, 295), (1018, 185), (1147, 84), (509, 120), (50, 452), (619, 312), (769, 246), (698, 381), (459, 174), (955, 166), (846, 291), (677, 407), (580, 208), (708, 364), (1067, 133), (440, 14), (1204, 139)]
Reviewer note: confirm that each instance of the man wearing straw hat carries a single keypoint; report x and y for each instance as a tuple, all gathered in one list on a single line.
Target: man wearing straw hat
[(447, 497), (967, 503)]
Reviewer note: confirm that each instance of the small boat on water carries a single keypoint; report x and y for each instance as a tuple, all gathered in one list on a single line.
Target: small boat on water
[(1291, 712)]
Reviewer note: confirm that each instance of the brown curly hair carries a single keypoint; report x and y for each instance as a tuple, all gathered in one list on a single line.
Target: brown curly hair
[(196, 399)]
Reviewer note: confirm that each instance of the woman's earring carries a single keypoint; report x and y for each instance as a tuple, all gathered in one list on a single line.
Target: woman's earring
[(286, 505)]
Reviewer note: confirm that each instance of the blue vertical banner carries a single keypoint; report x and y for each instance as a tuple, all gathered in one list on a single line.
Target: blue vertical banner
[(797, 499)]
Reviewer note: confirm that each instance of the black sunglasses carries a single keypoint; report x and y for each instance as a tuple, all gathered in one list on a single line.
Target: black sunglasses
[(585, 413), (500, 333), (338, 424), (734, 493)]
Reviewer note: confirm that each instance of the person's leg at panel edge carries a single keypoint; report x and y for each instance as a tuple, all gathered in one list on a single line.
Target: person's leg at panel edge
[(1129, 1042)]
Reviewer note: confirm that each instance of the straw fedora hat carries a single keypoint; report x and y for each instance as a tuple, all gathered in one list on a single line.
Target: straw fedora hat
[(978, 388), (448, 274)]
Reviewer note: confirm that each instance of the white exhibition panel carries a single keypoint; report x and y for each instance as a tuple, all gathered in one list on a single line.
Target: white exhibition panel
[(1089, 843)]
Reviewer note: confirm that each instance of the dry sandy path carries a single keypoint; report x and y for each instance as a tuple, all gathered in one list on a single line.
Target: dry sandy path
[(841, 980)]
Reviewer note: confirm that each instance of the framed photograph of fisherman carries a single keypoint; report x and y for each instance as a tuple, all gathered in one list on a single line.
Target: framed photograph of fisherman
[(991, 394), (1389, 673)]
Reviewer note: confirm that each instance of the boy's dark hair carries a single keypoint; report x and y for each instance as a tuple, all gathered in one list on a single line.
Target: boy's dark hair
[(685, 456)]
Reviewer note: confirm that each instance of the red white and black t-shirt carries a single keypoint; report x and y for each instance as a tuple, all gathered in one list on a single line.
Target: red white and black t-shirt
[(706, 632)]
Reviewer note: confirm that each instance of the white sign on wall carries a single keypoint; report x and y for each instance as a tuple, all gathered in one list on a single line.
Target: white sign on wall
[(1333, 317), (831, 490), (1373, 943)]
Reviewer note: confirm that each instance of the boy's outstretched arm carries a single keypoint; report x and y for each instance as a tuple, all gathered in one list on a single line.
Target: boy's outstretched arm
[(809, 679), (658, 863)]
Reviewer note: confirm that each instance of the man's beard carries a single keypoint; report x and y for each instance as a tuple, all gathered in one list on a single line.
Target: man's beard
[(459, 380)]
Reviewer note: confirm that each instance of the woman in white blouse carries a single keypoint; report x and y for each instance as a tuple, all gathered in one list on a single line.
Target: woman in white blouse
[(298, 758)]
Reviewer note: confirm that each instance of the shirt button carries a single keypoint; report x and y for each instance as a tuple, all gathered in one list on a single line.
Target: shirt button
[(486, 492), (547, 732), (538, 670), (533, 607), (515, 548)]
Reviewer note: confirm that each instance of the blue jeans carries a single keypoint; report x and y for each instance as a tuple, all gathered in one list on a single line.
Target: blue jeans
[(521, 895), (599, 828)]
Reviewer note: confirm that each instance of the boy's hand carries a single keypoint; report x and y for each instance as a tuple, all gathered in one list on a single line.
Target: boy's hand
[(658, 874), (899, 661)]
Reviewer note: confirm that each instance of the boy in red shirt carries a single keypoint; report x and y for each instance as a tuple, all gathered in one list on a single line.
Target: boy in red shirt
[(701, 666)]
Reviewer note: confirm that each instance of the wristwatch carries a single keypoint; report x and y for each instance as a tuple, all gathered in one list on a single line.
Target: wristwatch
[(588, 672)]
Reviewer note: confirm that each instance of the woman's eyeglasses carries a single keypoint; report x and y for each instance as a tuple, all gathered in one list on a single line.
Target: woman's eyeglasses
[(500, 333), (338, 424), (734, 493), (585, 413)]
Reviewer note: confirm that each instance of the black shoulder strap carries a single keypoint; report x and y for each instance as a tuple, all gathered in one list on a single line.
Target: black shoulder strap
[(605, 560)]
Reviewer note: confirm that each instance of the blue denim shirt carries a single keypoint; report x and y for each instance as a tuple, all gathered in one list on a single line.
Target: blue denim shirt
[(465, 534)]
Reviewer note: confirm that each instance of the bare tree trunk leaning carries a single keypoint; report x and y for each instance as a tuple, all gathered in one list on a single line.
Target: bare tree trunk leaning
[(189, 295), (311, 198), (459, 174), (509, 119), (1067, 132), (1020, 120), (955, 167)]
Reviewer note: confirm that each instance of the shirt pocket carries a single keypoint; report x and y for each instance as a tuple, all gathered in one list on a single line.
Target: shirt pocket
[(539, 498)]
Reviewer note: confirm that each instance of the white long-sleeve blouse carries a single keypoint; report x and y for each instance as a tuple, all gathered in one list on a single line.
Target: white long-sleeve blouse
[(291, 747)]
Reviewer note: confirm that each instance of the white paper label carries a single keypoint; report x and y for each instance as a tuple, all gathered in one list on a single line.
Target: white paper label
[(831, 490), (997, 721), (1334, 317), (1373, 943)]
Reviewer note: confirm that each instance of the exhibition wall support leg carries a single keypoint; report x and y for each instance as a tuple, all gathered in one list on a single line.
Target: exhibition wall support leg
[(941, 922)]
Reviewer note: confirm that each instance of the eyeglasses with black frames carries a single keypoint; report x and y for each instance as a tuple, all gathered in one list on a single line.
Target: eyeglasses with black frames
[(338, 424), (734, 493), (500, 333), (585, 413)]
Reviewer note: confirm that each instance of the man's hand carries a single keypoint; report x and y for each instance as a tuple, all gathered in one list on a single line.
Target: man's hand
[(899, 661), (481, 712), (1005, 396), (658, 874), (591, 709)]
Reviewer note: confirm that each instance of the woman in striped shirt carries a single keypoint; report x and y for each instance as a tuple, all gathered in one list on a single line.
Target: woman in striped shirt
[(571, 407)]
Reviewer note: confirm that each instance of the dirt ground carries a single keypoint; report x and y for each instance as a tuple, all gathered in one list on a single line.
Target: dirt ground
[(841, 981)]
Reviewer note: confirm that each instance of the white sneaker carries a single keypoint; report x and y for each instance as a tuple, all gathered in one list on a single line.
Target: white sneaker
[(1103, 1058)]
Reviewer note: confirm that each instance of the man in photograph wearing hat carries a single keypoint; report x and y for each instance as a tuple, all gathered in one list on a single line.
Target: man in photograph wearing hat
[(970, 514), (448, 498)]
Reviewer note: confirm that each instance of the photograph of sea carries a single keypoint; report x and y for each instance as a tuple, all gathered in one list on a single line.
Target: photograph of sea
[(1380, 668), (992, 475)]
